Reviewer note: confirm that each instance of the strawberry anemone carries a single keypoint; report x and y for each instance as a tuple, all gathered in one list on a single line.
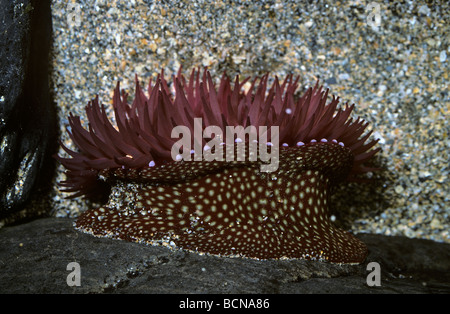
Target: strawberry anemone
[(226, 208)]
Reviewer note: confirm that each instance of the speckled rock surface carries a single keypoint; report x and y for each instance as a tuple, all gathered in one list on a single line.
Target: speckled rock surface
[(34, 259)]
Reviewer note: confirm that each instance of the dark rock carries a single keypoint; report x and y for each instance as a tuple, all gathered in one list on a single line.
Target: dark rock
[(34, 259), (27, 119)]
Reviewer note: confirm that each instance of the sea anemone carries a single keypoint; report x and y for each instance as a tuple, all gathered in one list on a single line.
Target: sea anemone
[(227, 208)]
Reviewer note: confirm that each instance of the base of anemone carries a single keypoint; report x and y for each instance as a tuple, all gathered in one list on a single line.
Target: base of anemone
[(235, 212), (240, 241)]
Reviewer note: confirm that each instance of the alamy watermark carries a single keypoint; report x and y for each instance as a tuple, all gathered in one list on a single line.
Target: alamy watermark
[(374, 15), (74, 14), (373, 279), (74, 278), (258, 145)]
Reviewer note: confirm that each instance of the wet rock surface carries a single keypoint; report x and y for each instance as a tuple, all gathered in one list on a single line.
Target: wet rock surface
[(27, 118), (34, 258)]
